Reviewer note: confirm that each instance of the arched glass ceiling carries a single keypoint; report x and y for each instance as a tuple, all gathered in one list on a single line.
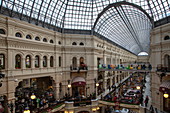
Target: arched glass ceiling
[(82, 14), (126, 25)]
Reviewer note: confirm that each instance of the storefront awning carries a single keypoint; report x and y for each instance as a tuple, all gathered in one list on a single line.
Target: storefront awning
[(165, 86), (78, 81)]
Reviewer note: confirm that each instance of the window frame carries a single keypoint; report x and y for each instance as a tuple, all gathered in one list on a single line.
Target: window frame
[(2, 61), (28, 57), (17, 62)]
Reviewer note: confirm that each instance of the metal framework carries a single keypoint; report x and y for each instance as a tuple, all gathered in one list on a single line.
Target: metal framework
[(125, 22)]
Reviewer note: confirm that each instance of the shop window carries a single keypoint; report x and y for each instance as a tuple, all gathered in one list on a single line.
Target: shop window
[(74, 43), (51, 61), (74, 63), (18, 34), (37, 61), (81, 43), (2, 61), (28, 37), (44, 61), (59, 61), (37, 38), (28, 61), (51, 41), (18, 61), (166, 38), (44, 40), (166, 104), (2, 31)]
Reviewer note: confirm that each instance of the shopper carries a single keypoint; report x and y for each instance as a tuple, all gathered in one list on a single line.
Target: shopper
[(146, 101)]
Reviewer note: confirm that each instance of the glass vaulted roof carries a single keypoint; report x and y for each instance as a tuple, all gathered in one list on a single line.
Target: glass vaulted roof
[(127, 23)]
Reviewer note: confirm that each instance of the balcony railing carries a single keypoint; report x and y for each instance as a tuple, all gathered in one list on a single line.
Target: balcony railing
[(82, 102), (79, 68), (160, 68)]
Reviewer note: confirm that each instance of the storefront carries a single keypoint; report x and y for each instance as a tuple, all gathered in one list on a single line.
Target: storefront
[(35, 93), (78, 86), (165, 89)]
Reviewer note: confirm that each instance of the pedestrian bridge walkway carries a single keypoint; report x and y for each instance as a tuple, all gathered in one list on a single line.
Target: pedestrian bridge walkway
[(111, 103), (127, 70)]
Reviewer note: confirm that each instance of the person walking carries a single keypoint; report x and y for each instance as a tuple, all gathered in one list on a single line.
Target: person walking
[(146, 101), (141, 100)]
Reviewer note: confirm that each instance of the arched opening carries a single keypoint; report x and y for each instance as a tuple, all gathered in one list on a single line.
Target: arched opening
[(18, 34), (81, 43), (37, 38), (142, 54), (51, 61), (81, 60), (44, 40), (166, 38), (74, 63), (167, 62), (28, 37), (37, 61), (45, 61), (2, 31), (74, 43), (78, 87), (28, 61), (18, 61), (59, 61), (82, 66), (51, 41), (2, 61)]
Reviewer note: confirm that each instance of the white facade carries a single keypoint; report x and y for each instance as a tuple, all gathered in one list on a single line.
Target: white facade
[(63, 47)]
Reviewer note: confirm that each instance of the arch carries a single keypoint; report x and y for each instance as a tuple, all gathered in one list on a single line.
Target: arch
[(59, 42), (44, 61), (166, 37), (37, 38), (51, 41), (37, 61), (2, 61), (117, 4), (78, 81), (74, 43), (59, 61), (78, 86), (2, 31), (18, 34), (74, 63), (143, 54), (44, 40), (28, 37), (81, 60), (18, 61), (81, 43), (51, 61), (28, 61)]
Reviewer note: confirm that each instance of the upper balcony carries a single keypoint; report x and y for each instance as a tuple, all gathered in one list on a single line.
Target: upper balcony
[(161, 68), (82, 68)]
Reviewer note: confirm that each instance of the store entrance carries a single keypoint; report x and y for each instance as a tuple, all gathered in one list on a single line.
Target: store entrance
[(78, 87), (78, 91)]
